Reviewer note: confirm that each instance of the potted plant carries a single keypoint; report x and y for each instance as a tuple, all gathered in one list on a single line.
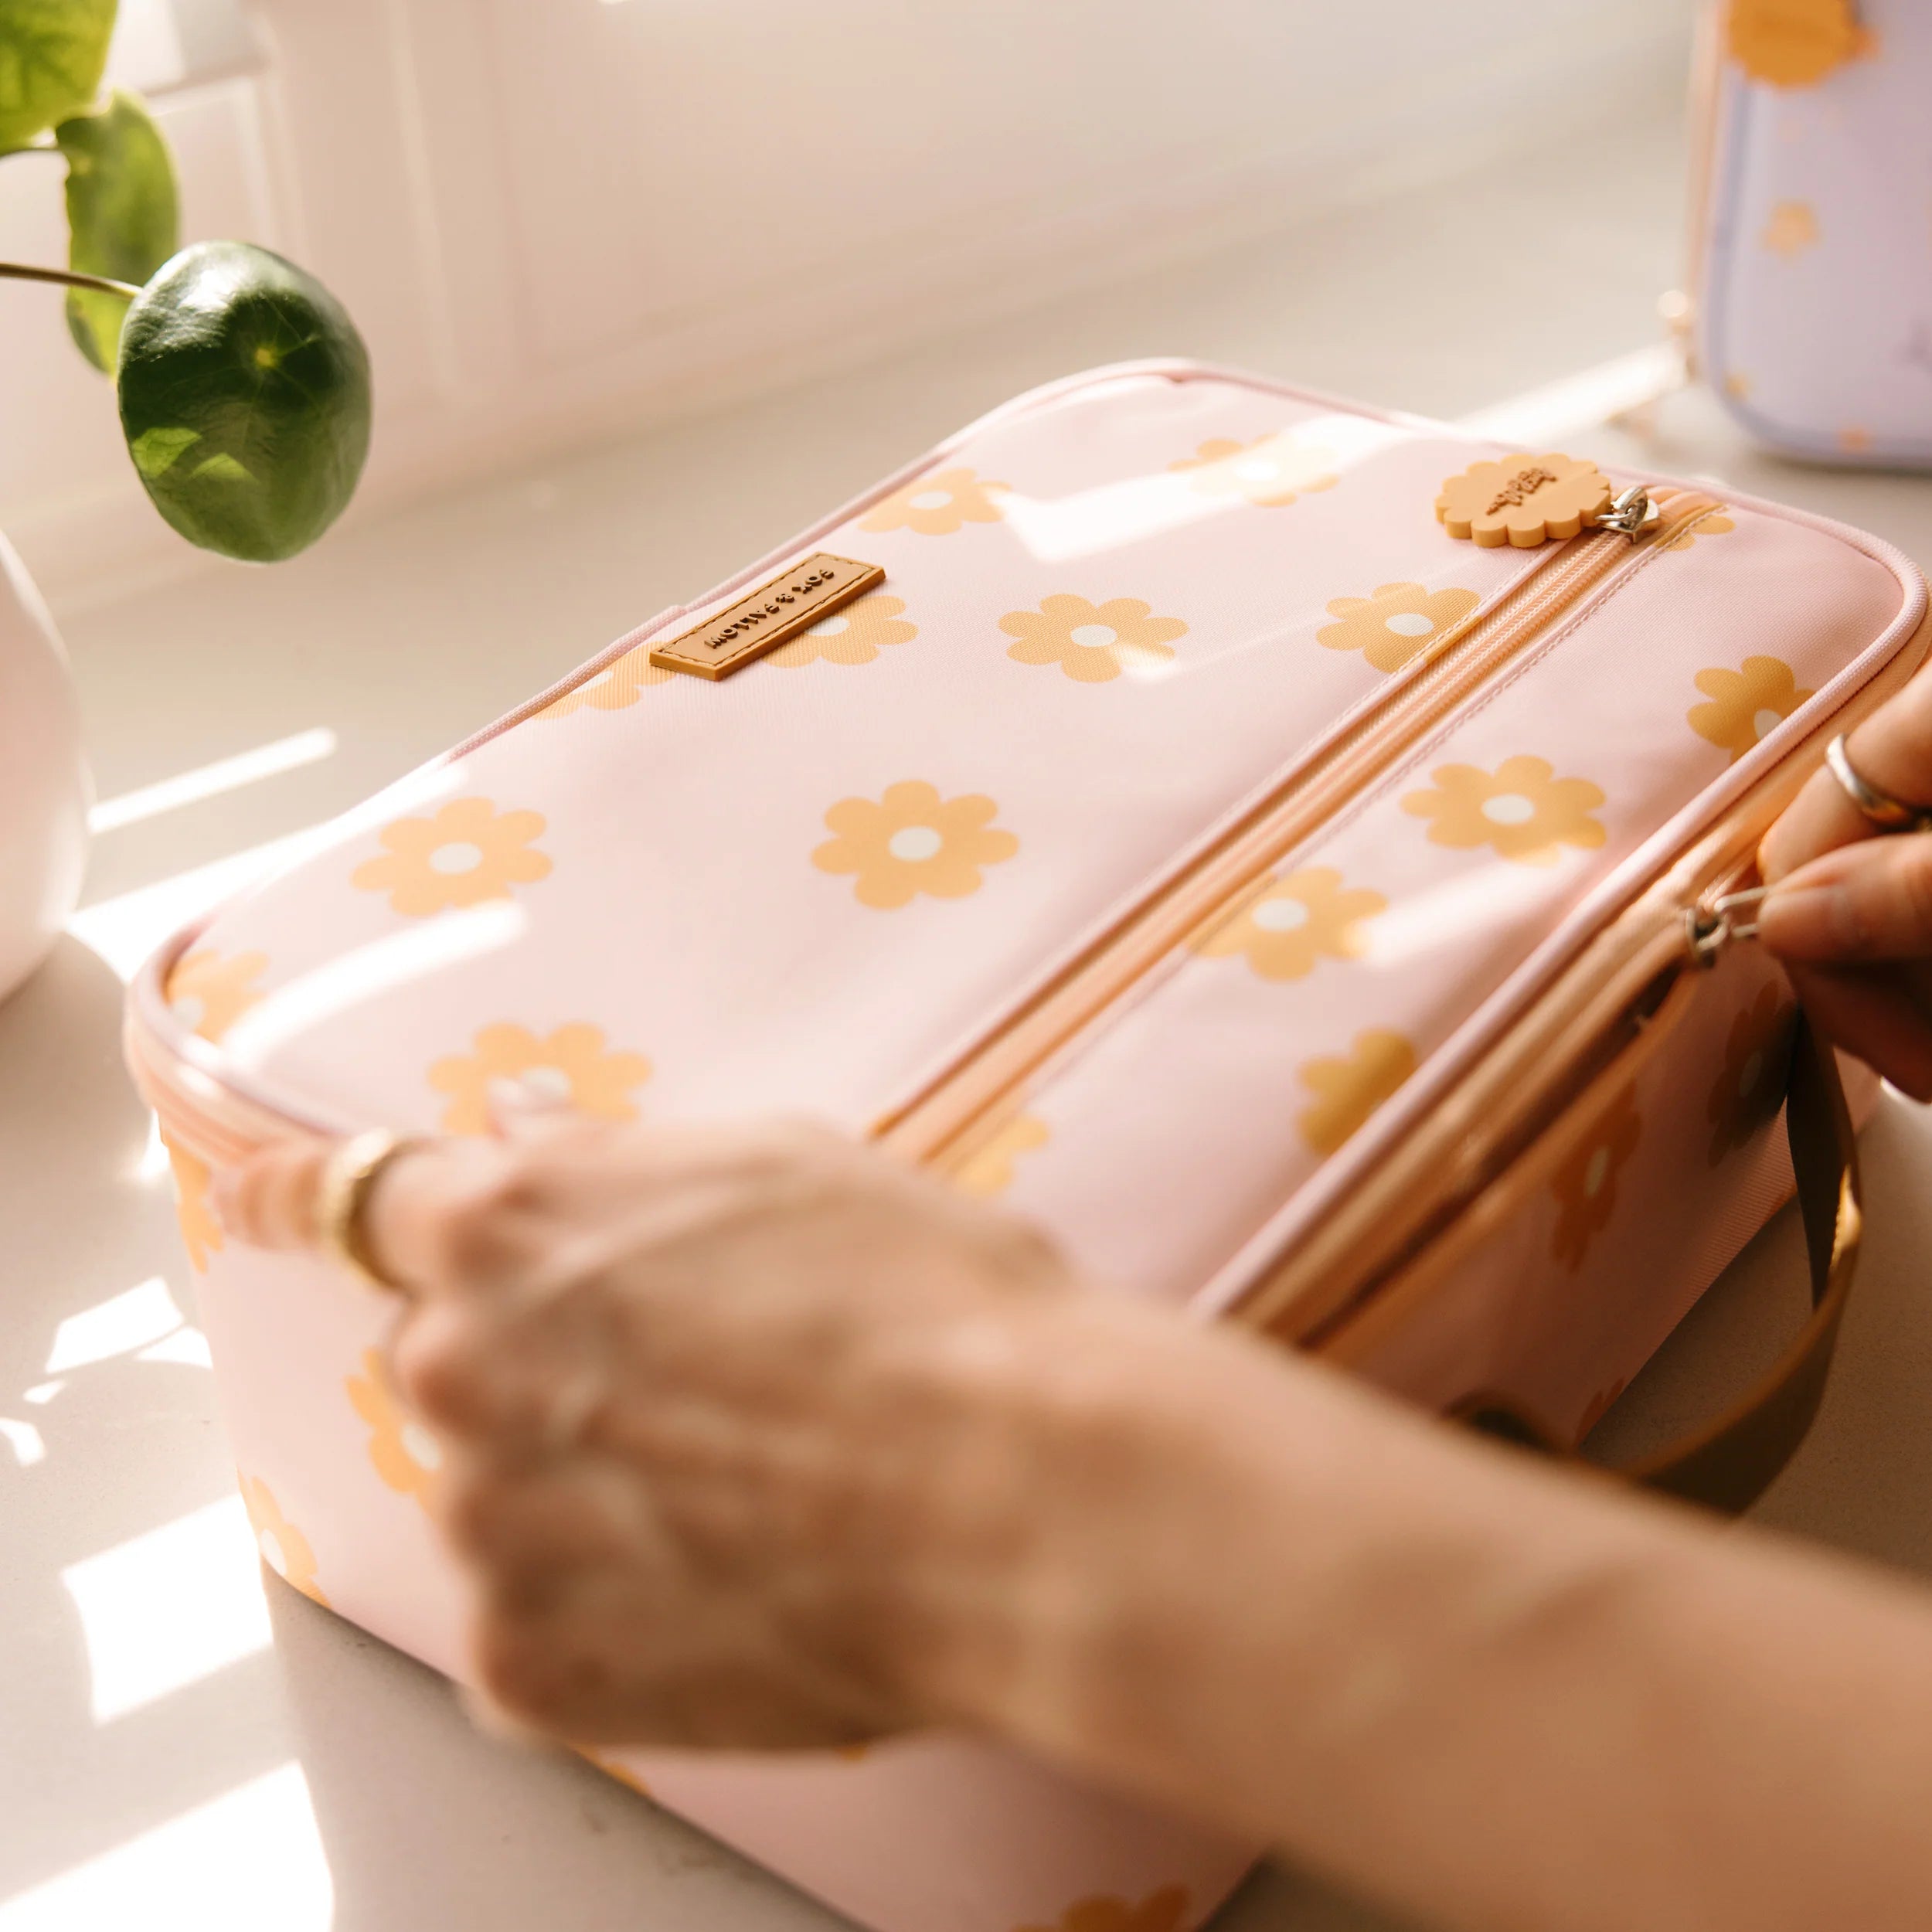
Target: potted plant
[(244, 392)]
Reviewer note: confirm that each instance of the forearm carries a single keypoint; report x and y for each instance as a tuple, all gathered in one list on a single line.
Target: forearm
[(1496, 1695)]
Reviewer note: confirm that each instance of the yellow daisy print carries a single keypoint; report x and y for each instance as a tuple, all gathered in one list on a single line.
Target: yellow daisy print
[(1746, 704), (1749, 1089), (1349, 1087), (854, 635), (1293, 923), (467, 854), (911, 841), (1397, 621), (1272, 471), (284, 1547), (938, 505), (201, 1230), (1162, 1911), (1522, 810), (616, 688), (406, 1456), (991, 1156), (208, 992), (1791, 229), (571, 1064), (1794, 43), (1716, 524), (1092, 643), (1585, 1185)]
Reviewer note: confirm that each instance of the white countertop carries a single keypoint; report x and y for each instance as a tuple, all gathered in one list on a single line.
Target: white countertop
[(163, 1764)]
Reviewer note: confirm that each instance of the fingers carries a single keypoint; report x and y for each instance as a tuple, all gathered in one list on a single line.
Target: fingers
[(1893, 748), (1869, 901)]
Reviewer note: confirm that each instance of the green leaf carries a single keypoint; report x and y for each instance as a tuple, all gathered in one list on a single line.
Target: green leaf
[(52, 53), (243, 358), (123, 214)]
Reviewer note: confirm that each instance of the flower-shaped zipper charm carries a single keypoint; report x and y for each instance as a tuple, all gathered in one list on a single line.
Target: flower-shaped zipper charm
[(1524, 500)]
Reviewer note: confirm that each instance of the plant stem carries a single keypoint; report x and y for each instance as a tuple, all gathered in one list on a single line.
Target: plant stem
[(72, 278)]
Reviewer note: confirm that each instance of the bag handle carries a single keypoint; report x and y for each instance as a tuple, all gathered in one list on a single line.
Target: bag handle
[(1730, 1462)]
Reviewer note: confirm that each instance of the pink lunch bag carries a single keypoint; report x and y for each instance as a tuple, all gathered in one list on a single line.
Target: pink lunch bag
[(1812, 229), (1287, 850)]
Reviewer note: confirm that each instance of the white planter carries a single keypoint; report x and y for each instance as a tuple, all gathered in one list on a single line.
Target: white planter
[(44, 786)]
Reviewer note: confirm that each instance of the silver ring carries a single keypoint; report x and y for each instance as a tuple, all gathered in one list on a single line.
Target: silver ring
[(1875, 806)]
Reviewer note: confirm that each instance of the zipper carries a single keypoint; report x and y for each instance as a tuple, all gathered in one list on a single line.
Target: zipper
[(935, 1127), (200, 1111)]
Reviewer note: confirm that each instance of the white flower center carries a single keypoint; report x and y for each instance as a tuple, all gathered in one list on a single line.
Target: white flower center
[(1282, 915), (459, 856), (931, 500), (604, 677), (1752, 1072), (831, 626), (1765, 722), (190, 1009), (1408, 624), (1095, 637), (1596, 1173), (1508, 808), (420, 1447), (1257, 469), (548, 1082), (272, 1553), (914, 844)]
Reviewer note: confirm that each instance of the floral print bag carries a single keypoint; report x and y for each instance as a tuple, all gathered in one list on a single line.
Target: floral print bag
[(1272, 844), (1813, 312)]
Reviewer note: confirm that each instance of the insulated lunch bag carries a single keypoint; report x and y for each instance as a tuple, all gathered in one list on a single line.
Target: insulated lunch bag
[(1291, 852), (1812, 225)]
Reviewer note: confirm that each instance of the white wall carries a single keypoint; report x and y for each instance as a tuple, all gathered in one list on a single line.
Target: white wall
[(556, 219)]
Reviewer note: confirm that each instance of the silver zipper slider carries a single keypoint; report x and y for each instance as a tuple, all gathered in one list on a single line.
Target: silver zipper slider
[(1726, 920), (1632, 514)]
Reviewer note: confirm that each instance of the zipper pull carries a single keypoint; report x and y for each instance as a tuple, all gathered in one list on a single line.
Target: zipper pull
[(1632, 513), (1729, 920)]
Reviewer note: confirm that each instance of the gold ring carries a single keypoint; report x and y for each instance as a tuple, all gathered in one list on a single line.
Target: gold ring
[(353, 1167), (1876, 806)]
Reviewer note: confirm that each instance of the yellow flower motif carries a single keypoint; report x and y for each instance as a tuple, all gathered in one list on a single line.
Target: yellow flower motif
[(208, 992), (1399, 620), (1794, 43), (938, 505), (468, 853), (1585, 1185), (1792, 229), (854, 635), (1716, 525), (616, 688), (570, 1064), (986, 1164), (406, 1456), (1745, 705), (201, 1231), (1747, 1094), (1092, 643), (1522, 810), (912, 842), (284, 1547), (1293, 923), (1162, 1911), (1272, 471), (1350, 1086)]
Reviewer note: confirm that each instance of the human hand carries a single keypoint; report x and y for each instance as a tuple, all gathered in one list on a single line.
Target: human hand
[(1850, 914), (735, 1423)]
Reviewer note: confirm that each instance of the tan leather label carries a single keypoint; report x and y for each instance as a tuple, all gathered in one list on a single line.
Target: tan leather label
[(769, 616)]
